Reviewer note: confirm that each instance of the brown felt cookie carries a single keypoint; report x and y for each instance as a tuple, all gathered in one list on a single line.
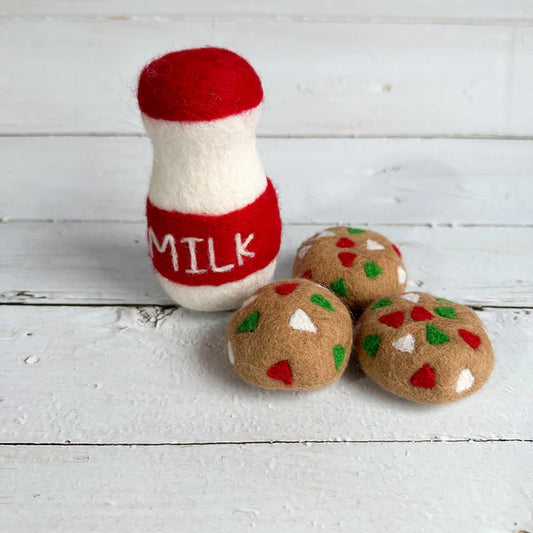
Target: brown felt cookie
[(357, 265), (290, 335), (424, 349)]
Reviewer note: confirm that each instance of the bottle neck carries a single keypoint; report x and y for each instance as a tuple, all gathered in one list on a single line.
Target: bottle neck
[(205, 167)]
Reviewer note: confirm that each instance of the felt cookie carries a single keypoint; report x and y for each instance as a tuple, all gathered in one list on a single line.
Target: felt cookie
[(290, 335), (357, 265), (423, 348)]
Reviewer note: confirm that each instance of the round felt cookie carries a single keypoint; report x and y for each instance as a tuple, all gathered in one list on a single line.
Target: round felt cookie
[(424, 349), (357, 265), (290, 335)]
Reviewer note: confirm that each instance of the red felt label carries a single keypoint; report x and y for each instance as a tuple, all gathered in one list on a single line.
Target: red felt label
[(212, 250)]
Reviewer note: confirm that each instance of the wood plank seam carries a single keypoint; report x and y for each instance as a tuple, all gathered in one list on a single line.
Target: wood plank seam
[(248, 17), (69, 444)]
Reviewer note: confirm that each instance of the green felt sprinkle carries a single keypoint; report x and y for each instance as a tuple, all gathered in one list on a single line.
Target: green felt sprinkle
[(318, 299), (249, 323), (446, 312), (339, 353), (435, 336), (443, 300), (371, 345), (339, 287), (382, 303), (355, 230), (372, 270)]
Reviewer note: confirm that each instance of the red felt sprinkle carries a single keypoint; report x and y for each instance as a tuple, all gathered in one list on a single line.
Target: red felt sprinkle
[(307, 274), (347, 258), (394, 320), (424, 377), (397, 250), (281, 371), (286, 288), (345, 243), (470, 338), (420, 313)]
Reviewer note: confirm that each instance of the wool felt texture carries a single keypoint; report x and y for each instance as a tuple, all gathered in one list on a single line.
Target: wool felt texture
[(359, 265), (200, 108), (198, 84), (432, 360), (224, 297), (207, 168), (297, 339), (212, 250)]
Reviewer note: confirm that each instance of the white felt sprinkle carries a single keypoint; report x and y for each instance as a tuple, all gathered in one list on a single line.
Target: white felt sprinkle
[(231, 357), (411, 297), (465, 381), (405, 344), (325, 233), (373, 245), (303, 251), (249, 301), (300, 320), (402, 275)]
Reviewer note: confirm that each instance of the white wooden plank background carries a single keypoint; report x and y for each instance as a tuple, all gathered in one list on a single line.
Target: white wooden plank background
[(94, 365), (371, 79), (107, 263), (144, 375), (436, 11), (366, 180), (297, 488)]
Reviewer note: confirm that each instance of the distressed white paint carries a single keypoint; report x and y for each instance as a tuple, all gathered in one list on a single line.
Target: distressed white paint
[(319, 180), (115, 374), (152, 375), (351, 78), (103, 263), (459, 487), (436, 11)]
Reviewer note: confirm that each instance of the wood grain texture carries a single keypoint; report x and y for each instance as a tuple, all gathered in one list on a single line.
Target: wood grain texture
[(79, 75), (151, 375), (330, 487), (437, 11), (107, 263), (366, 180)]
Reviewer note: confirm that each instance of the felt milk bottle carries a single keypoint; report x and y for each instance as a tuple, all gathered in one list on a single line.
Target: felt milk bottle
[(214, 228)]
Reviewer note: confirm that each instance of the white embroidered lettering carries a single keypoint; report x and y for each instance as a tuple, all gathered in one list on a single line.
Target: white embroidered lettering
[(240, 248), (191, 241), (212, 261), (168, 241)]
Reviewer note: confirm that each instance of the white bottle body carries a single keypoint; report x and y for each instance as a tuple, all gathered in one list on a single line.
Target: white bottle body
[(208, 168)]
